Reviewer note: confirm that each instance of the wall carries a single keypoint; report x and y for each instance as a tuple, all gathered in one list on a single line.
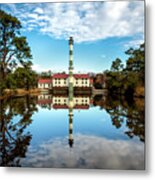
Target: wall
[(76, 100), (60, 82), (81, 83), (76, 82), (44, 85)]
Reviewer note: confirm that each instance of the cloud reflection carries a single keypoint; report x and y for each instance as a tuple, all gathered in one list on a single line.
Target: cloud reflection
[(88, 152)]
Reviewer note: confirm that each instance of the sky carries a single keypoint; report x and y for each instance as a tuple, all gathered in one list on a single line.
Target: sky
[(102, 31)]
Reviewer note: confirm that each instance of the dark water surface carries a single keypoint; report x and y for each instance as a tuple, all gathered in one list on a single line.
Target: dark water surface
[(36, 131)]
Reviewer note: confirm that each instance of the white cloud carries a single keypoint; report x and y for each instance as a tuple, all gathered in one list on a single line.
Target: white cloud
[(33, 16), (38, 10), (87, 21), (39, 68), (134, 43), (87, 152)]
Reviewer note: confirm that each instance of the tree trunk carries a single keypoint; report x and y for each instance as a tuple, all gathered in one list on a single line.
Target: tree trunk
[(2, 79)]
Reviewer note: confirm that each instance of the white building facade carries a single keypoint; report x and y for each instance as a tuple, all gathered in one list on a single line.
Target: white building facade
[(45, 83), (62, 80)]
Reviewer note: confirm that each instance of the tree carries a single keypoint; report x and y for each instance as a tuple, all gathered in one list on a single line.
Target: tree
[(99, 81), (46, 74), (13, 47), (115, 77), (25, 76), (136, 62), (22, 77), (128, 81), (117, 65)]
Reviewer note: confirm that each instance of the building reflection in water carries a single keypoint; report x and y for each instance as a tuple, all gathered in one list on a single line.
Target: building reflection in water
[(62, 102), (69, 102)]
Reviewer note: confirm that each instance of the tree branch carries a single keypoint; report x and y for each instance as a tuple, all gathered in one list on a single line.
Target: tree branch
[(9, 58)]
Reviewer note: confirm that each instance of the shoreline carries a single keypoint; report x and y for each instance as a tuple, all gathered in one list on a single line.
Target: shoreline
[(19, 92), (22, 92)]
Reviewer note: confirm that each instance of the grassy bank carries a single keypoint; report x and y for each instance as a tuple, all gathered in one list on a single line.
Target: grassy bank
[(19, 92)]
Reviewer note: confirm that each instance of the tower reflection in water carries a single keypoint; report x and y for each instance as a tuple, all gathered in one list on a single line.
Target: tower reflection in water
[(69, 102), (70, 140)]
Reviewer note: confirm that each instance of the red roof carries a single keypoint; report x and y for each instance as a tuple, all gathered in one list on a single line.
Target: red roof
[(59, 76), (56, 106), (65, 76), (48, 81), (44, 101), (81, 107), (81, 76)]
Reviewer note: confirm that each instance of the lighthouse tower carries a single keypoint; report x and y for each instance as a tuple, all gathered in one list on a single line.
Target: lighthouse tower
[(71, 79), (71, 92)]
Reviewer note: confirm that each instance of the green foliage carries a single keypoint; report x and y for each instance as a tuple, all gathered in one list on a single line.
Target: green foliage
[(136, 62), (125, 80), (11, 81), (13, 47), (23, 77), (99, 81), (117, 65), (46, 74)]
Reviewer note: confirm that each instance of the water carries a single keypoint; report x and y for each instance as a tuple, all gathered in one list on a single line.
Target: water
[(104, 133)]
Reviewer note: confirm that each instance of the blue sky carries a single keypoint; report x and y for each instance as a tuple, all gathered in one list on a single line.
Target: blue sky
[(101, 31)]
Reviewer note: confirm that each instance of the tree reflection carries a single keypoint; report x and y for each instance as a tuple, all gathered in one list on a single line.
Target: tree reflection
[(130, 111), (14, 139), (121, 110)]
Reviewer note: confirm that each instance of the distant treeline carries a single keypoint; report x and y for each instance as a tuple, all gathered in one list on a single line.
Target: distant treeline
[(128, 79)]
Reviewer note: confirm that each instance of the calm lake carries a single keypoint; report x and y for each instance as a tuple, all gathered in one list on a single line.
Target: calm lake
[(101, 132)]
